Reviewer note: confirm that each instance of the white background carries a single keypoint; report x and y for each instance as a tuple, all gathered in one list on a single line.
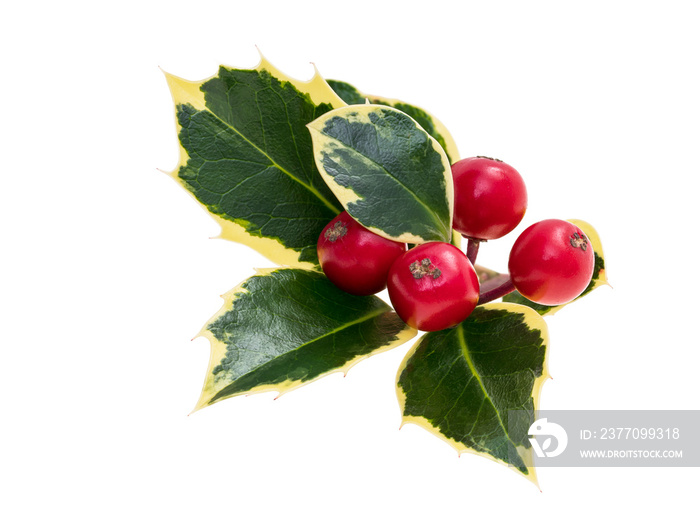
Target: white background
[(109, 269)]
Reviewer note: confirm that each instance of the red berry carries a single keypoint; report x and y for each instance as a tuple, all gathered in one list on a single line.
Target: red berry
[(356, 260), (551, 262), (433, 286), (490, 198)]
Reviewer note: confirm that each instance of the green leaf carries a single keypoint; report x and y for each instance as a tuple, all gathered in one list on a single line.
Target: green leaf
[(283, 328), (388, 173), (347, 92), (247, 157), (599, 277), (428, 122), (460, 383)]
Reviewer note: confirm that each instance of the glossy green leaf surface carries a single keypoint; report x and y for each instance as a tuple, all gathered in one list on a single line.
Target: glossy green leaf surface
[(599, 277), (247, 157), (460, 383), (351, 95), (347, 92), (282, 328), (387, 172)]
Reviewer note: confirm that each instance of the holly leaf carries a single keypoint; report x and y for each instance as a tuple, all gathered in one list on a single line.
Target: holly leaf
[(599, 277), (428, 122), (461, 383), (247, 157), (285, 327), (388, 173), (349, 93)]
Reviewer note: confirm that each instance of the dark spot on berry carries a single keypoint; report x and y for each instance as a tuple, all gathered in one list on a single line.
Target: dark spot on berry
[(425, 267), (579, 241), (490, 158), (336, 231)]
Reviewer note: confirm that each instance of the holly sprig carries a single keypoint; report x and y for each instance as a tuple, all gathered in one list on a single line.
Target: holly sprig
[(273, 160)]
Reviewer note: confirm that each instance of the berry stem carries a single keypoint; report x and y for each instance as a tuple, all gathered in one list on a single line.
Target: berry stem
[(472, 250), (495, 288)]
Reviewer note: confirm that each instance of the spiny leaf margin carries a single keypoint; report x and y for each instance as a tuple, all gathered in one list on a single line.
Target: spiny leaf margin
[(191, 96), (514, 317), (264, 314)]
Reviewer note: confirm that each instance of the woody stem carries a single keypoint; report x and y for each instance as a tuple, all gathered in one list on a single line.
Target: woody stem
[(495, 288), (472, 249)]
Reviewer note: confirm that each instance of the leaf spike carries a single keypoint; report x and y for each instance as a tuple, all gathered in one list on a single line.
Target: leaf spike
[(186, 90), (220, 331), (317, 87), (318, 79), (217, 348)]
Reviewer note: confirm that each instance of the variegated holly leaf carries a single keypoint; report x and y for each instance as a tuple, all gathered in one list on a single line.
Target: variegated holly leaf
[(283, 328), (247, 157), (461, 383), (599, 277), (428, 122), (388, 173)]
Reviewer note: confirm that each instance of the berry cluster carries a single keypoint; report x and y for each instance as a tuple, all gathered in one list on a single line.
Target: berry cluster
[(433, 286)]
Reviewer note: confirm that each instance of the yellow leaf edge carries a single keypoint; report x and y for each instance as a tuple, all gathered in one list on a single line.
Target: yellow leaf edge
[(188, 92), (594, 237), (450, 144), (531, 319), (347, 196), (218, 352)]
